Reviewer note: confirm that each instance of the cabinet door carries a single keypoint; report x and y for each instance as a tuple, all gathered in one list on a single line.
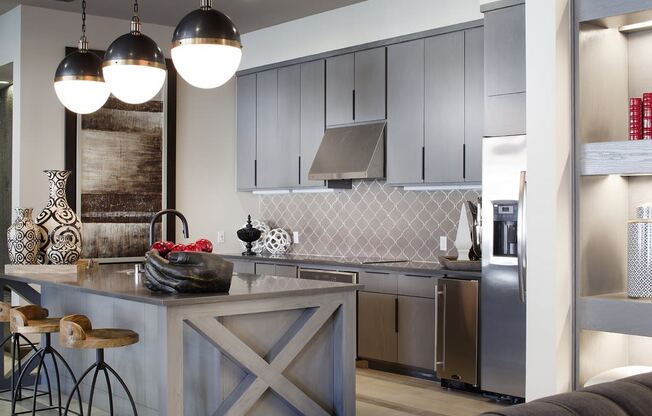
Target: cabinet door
[(377, 332), (416, 329), (265, 269), (473, 103), (246, 136), (267, 130), (370, 85), (244, 267), (286, 271), (340, 79), (288, 138), (405, 112), (444, 134), (313, 118), (504, 31)]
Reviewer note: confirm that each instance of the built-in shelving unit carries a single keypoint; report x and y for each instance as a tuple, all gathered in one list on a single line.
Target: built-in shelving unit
[(615, 312), (625, 158)]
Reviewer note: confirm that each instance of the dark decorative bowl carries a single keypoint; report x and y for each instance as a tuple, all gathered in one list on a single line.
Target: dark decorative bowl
[(452, 263)]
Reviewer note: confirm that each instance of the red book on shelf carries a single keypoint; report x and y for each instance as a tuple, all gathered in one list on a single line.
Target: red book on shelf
[(636, 118)]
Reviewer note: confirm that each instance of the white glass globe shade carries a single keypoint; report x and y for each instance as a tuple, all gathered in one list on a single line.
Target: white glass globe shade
[(134, 84), (206, 65), (82, 96)]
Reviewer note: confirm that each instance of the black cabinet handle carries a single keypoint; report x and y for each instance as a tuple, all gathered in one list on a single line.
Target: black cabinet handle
[(299, 170), (464, 161), (255, 172), (423, 163), (353, 104), (396, 315)]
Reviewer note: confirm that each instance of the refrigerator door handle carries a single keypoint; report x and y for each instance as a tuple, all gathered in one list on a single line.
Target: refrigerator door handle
[(522, 238), (440, 328)]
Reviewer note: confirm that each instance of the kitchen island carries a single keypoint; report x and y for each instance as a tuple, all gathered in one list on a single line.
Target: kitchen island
[(271, 346)]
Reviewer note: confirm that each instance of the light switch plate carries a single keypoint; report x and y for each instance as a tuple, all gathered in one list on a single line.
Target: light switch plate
[(295, 237), (220, 236), (443, 243)]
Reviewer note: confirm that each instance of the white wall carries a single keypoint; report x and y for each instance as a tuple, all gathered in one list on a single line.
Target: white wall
[(364, 22), (549, 111)]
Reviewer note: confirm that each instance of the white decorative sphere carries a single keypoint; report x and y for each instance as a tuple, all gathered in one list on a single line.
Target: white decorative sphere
[(278, 241), (259, 245)]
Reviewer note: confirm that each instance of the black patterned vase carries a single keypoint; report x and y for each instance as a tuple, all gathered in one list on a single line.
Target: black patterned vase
[(23, 238), (57, 219)]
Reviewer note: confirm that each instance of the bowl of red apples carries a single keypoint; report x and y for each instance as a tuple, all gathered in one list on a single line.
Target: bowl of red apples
[(164, 248)]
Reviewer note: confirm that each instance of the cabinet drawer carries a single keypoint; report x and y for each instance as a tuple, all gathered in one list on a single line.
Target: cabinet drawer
[(379, 282), (420, 286), (265, 269), (244, 267), (286, 271)]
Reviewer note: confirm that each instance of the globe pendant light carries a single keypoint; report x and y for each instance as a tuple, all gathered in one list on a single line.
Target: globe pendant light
[(78, 81), (206, 48), (134, 66)]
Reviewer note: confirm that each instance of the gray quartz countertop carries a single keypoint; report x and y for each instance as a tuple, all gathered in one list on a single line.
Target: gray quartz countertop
[(119, 281), (408, 267)]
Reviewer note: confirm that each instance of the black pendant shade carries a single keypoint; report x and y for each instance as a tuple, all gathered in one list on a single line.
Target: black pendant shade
[(206, 26), (80, 65), (134, 49)]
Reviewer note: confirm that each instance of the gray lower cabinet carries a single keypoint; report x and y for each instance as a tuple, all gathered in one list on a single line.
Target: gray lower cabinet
[(505, 71), (268, 269), (444, 103), (416, 332), (265, 269), (473, 103), (405, 112), (377, 332), (340, 86), (313, 116), (267, 129), (244, 267), (370, 85), (246, 133)]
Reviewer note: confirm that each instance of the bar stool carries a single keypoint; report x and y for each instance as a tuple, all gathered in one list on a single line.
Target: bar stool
[(77, 332), (17, 341), (33, 319)]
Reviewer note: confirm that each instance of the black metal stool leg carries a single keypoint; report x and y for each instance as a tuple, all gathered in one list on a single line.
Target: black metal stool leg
[(108, 387), (124, 387), (74, 380), (38, 378), (20, 381), (18, 340), (76, 388)]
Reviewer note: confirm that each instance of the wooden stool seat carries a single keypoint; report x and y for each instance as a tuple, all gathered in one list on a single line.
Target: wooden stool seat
[(77, 332), (32, 319)]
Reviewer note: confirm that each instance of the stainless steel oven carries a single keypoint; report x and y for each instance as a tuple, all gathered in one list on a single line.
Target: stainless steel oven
[(328, 275)]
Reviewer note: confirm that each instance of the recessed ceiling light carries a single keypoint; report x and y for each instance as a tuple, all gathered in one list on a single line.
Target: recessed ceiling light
[(635, 27)]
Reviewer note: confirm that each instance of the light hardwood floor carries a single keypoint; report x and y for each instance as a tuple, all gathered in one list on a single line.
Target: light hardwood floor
[(385, 394)]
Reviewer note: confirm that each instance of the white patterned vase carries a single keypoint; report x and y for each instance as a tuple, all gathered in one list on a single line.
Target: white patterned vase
[(57, 218), (278, 242), (23, 238), (64, 251), (639, 259)]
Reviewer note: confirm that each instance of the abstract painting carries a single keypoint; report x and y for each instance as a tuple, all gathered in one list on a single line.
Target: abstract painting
[(122, 162)]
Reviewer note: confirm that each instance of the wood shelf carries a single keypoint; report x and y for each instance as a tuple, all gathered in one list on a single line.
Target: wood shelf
[(615, 312), (626, 158)]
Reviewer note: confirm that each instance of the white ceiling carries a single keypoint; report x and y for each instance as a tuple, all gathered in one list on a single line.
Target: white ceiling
[(248, 15)]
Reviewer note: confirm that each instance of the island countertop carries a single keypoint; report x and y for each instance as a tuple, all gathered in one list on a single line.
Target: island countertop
[(119, 281)]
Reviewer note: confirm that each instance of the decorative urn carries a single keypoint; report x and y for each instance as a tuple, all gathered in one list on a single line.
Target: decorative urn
[(248, 235)]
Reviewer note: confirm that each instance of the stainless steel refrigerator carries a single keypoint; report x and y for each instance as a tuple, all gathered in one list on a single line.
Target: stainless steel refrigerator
[(504, 266)]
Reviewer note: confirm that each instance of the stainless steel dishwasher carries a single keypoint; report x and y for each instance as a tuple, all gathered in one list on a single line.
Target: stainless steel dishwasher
[(328, 275), (456, 340)]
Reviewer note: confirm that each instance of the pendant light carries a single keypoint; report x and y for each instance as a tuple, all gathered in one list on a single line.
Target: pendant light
[(78, 81), (206, 48), (134, 66)]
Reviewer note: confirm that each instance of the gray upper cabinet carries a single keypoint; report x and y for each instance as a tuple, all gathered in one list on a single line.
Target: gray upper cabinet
[(313, 116), (444, 103), (405, 112), (473, 103), (340, 85), (267, 148), (504, 50), (286, 155), (246, 133), (370, 85)]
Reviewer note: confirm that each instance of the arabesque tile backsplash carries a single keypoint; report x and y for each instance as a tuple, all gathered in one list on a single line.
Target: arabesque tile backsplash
[(371, 220)]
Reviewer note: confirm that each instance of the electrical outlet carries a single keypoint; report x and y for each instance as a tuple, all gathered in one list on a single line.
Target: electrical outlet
[(295, 237), (220, 236), (443, 243)]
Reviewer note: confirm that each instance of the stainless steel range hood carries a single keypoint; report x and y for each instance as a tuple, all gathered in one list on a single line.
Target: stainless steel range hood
[(351, 152)]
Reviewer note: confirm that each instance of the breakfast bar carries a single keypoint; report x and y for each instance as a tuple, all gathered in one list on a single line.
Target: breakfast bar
[(271, 346)]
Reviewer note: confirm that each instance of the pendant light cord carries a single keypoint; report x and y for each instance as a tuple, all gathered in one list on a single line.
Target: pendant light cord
[(83, 42), (135, 20)]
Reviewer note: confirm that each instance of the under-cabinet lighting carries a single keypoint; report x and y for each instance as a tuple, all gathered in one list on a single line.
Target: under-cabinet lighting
[(315, 191), (272, 192), (442, 187), (635, 27), (4, 82)]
